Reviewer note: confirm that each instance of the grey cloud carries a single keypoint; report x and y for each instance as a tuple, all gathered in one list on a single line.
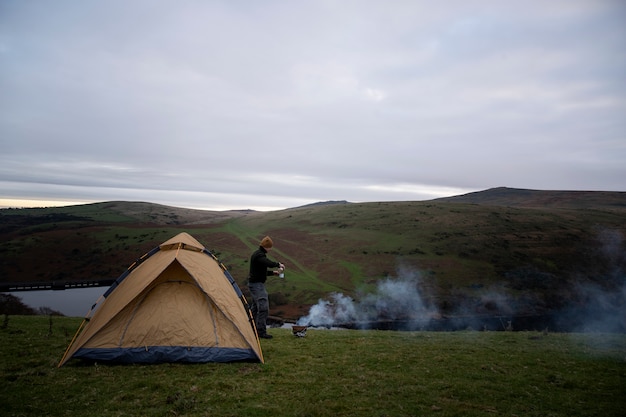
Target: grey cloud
[(303, 102)]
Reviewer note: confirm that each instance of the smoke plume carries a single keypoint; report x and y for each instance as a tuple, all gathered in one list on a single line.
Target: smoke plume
[(394, 299), (593, 300), (600, 304)]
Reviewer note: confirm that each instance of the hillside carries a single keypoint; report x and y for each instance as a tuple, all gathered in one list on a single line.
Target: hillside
[(499, 252), (514, 197)]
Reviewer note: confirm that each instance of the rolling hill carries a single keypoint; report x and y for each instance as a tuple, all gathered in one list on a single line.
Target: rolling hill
[(498, 252), (513, 197)]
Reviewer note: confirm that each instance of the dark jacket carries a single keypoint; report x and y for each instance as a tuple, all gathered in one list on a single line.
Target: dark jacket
[(259, 264)]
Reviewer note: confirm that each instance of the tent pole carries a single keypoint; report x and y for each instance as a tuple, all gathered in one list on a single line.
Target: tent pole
[(72, 342)]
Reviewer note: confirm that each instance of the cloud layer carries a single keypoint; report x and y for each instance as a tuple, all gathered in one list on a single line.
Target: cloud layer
[(218, 104)]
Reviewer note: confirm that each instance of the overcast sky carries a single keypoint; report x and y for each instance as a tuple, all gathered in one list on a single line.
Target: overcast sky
[(275, 104)]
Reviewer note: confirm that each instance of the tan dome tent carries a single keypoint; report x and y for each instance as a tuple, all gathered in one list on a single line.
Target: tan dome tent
[(177, 303)]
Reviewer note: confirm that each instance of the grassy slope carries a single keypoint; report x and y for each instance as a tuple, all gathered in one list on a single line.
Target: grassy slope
[(462, 250), (514, 197), (327, 373)]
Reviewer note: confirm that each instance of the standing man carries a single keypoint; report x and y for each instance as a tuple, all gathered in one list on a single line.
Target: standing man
[(259, 263)]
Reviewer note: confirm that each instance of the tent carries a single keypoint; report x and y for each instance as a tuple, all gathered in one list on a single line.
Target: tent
[(177, 303)]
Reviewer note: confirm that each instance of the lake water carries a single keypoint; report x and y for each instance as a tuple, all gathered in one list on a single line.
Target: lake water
[(74, 302)]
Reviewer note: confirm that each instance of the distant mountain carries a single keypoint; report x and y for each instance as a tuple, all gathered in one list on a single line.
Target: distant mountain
[(517, 197)]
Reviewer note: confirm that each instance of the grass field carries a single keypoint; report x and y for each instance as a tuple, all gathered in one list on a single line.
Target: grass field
[(326, 373)]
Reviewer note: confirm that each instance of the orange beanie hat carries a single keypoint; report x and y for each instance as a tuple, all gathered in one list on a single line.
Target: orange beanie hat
[(266, 242)]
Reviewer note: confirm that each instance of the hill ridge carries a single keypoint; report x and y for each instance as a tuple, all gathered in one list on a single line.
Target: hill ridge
[(520, 197)]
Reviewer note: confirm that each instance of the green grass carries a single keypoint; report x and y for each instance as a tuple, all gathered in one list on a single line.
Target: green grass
[(327, 373)]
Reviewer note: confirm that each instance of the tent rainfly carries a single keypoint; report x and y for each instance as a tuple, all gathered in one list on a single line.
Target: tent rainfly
[(177, 303)]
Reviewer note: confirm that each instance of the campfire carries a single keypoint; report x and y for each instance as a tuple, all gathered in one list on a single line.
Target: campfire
[(299, 331)]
